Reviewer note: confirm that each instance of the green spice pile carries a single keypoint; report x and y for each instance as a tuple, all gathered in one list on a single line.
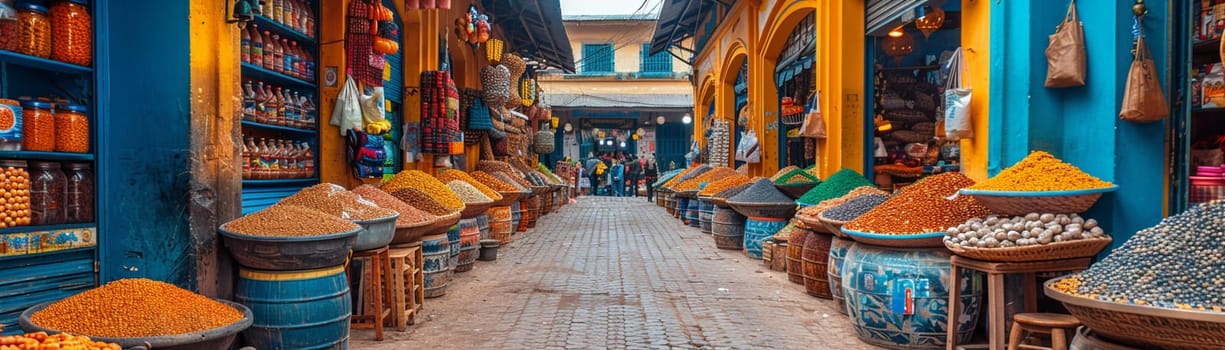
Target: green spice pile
[(761, 191), (835, 186), (797, 176), (922, 207), (289, 221)]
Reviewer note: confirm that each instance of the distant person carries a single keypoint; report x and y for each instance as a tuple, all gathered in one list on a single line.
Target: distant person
[(651, 174), (590, 167), (633, 172), (618, 179)]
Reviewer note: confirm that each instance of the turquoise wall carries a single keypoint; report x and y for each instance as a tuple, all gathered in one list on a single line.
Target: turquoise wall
[(1080, 125)]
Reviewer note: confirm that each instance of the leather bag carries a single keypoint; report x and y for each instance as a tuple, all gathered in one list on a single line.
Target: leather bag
[(1066, 57)]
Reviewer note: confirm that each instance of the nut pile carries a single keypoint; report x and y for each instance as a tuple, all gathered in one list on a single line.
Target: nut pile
[(136, 307), (494, 183), (854, 207), (467, 193), (686, 175), (1020, 231), (762, 191), (422, 201), (335, 200), (1176, 264), (427, 184), (922, 207), (40, 341), (511, 178), (15, 197), (491, 166), (779, 174), (718, 185), (696, 182), (453, 174), (835, 186), (1040, 171), (409, 215), (289, 221)]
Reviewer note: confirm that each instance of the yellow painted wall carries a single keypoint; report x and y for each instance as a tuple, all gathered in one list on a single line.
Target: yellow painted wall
[(626, 36), (977, 44)]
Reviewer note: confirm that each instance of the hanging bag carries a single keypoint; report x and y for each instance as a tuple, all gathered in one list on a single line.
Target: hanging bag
[(814, 123), (1066, 55), (1143, 101), (748, 150), (543, 142), (957, 123)]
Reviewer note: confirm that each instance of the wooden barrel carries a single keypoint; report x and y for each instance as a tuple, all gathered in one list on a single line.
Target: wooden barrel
[(307, 309), (706, 212), (482, 221), (795, 254), (436, 251), (518, 212), (780, 256), (767, 251), (469, 244), (669, 203), (682, 207), (533, 211), (816, 260), (758, 229), (727, 228), (692, 213), (837, 253), (501, 224), (546, 202)]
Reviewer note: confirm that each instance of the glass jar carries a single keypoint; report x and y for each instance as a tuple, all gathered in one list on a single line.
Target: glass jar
[(8, 26), (10, 125), (37, 126), (47, 184), (34, 30), (72, 29), (79, 194), (72, 129), (15, 182)]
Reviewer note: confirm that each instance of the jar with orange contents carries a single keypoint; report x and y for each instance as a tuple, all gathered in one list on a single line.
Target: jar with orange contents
[(34, 30), (37, 126), (72, 29), (72, 129), (8, 26)]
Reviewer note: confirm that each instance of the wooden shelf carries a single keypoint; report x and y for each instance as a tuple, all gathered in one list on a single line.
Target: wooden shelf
[(285, 31), (1205, 46), (20, 229), (32, 155), (309, 132), (44, 64), (272, 77), (279, 182)]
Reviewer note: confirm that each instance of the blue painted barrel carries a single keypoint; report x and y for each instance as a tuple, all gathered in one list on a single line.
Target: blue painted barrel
[(469, 244), (691, 213), (682, 206), (706, 212), (453, 241), (306, 309), (898, 298), (436, 251), (756, 230), (837, 253)]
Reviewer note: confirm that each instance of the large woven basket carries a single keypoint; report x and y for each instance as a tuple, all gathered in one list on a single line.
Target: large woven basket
[(797, 190), (686, 194), (1080, 248), (780, 210), (472, 210), (1021, 203), (508, 198), (1147, 327), (914, 240)]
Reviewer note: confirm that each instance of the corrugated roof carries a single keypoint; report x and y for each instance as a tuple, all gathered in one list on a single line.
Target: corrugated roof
[(677, 21), (643, 17), (534, 29)]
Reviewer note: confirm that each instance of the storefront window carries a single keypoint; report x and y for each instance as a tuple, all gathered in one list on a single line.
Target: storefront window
[(796, 84)]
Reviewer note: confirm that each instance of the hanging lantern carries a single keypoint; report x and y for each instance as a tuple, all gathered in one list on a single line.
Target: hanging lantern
[(493, 51), (898, 47), (554, 121), (931, 22), (636, 137), (601, 134)]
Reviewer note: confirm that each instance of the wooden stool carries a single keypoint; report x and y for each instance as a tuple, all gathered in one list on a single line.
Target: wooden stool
[(1056, 325), (380, 268), (407, 278), (995, 291)]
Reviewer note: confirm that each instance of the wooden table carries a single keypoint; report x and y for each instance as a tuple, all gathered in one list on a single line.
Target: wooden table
[(995, 271)]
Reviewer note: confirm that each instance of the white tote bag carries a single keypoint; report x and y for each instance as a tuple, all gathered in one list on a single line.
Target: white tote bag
[(957, 123)]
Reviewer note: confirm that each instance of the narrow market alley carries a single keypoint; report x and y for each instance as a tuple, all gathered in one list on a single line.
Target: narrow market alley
[(620, 273)]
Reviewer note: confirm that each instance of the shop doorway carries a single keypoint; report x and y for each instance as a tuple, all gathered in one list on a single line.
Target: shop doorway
[(1196, 132), (796, 84)]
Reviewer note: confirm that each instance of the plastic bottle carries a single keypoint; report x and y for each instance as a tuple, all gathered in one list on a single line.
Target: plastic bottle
[(248, 101), (272, 108), (303, 16), (296, 65), (278, 54), (308, 158), (245, 51), (269, 48), (278, 11), (261, 103), (246, 158), (257, 47)]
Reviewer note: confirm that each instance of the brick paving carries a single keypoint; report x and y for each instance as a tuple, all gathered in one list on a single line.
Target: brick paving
[(619, 273)]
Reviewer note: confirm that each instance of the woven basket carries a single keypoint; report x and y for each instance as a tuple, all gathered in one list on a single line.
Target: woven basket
[(767, 210), (834, 226), (1148, 327), (792, 119), (1081, 248), (1021, 203), (686, 194), (917, 240), (796, 190), (472, 210), (543, 142)]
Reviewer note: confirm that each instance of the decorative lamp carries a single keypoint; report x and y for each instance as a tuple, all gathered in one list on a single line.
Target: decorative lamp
[(554, 121), (687, 119), (898, 47), (493, 51), (660, 120), (622, 144), (601, 134), (897, 32), (931, 22)]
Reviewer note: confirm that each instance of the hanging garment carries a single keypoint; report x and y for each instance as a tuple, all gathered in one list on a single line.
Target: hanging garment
[(365, 64)]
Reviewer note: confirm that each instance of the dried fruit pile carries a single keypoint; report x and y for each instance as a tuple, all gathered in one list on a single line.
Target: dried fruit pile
[(719, 185), (136, 307), (696, 182), (922, 207), (1040, 171)]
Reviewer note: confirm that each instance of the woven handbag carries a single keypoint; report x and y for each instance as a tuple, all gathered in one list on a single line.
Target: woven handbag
[(543, 143), (478, 116)]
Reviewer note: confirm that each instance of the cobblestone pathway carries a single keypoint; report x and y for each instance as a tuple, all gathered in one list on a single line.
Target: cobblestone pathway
[(620, 273)]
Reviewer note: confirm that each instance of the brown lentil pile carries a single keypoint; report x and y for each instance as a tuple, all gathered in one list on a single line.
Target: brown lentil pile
[(467, 193), (427, 184), (422, 201), (453, 174), (922, 207), (41, 340), (523, 184), (335, 200), (1041, 171), (814, 211), (409, 215), (697, 181), (135, 307), (289, 221), (491, 166), (717, 186), (494, 182)]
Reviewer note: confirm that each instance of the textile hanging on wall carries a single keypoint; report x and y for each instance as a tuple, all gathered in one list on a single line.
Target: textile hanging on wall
[(365, 64), (439, 113)]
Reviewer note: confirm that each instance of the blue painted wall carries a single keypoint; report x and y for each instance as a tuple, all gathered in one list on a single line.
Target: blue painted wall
[(1079, 125), (145, 142)]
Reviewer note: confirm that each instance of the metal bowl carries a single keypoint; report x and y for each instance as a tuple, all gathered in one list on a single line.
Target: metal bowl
[(213, 339), (377, 232), (289, 253)]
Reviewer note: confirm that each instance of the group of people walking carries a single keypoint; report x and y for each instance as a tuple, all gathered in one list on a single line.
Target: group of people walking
[(618, 175)]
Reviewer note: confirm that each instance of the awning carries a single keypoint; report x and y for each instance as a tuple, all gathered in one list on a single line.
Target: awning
[(789, 66), (534, 30), (621, 101), (677, 21)]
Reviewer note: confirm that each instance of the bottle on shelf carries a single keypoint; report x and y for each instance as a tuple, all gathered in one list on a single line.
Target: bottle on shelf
[(278, 54), (274, 106), (309, 65), (289, 14), (261, 103), (287, 104), (310, 22), (308, 159), (257, 47), (248, 101), (246, 158), (295, 65), (278, 11), (303, 16), (269, 48), (264, 160), (245, 49), (308, 111), (299, 120)]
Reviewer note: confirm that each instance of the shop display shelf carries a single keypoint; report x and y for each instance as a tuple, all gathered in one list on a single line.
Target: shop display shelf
[(1205, 46), (280, 182), (270, 76), (23, 60), (32, 155), (285, 31), (279, 128), (30, 228)]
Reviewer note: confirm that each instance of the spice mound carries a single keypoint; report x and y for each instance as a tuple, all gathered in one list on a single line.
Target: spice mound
[(335, 200), (452, 175), (422, 201), (409, 215), (809, 217), (686, 174), (519, 183), (1020, 231), (1176, 264), (41, 340), (835, 186), (492, 166), (289, 221), (779, 174), (718, 185), (922, 207), (797, 176), (138, 307), (467, 193), (493, 182), (1039, 172), (854, 207), (762, 191), (713, 174), (418, 180)]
